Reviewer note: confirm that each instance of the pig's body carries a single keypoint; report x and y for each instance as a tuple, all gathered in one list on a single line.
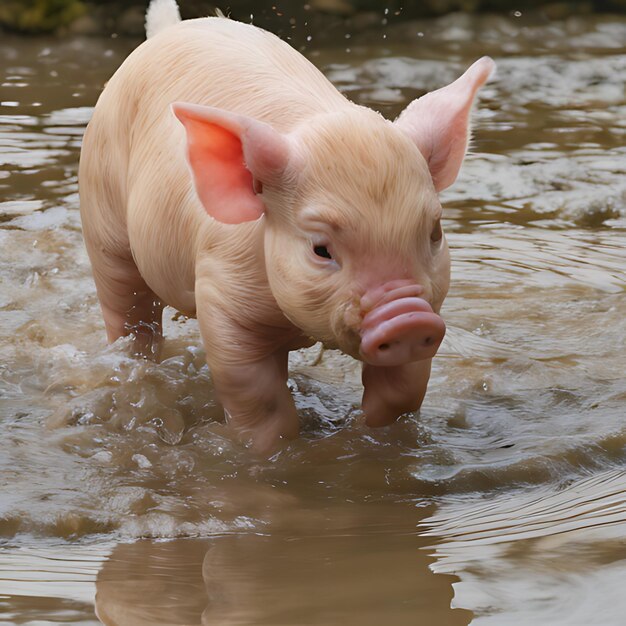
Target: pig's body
[(142, 199), (318, 225)]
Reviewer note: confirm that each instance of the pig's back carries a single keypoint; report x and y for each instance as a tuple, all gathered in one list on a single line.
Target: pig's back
[(226, 64)]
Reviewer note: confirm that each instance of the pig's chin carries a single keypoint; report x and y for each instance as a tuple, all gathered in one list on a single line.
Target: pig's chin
[(346, 340), (346, 325)]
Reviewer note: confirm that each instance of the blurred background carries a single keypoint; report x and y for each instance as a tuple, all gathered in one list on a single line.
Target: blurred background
[(282, 17)]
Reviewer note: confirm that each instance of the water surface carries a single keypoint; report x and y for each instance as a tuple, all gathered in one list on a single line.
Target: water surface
[(122, 492)]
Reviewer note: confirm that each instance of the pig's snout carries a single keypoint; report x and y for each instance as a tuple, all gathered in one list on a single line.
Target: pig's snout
[(400, 328)]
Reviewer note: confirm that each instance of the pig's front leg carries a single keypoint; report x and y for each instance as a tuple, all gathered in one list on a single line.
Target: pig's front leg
[(391, 391), (256, 399), (250, 377)]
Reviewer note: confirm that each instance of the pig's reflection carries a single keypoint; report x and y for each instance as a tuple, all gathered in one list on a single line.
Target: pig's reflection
[(288, 577), (152, 582)]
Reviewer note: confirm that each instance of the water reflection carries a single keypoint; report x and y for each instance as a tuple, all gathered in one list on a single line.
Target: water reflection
[(546, 556), (331, 569), (49, 583)]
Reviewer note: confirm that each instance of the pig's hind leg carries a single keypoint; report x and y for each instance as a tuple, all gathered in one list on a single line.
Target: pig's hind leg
[(129, 306)]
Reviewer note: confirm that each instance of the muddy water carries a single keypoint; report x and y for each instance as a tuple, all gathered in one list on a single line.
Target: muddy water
[(122, 493)]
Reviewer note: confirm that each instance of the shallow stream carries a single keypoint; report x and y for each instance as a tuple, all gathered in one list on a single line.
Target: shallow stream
[(122, 492)]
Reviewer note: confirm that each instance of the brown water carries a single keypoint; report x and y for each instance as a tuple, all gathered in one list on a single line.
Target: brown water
[(122, 493)]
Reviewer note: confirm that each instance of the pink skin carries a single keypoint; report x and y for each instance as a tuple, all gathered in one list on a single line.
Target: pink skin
[(392, 391), (395, 378), (229, 185), (400, 328)]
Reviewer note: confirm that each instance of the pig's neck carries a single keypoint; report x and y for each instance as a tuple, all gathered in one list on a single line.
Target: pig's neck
[(231, 276)]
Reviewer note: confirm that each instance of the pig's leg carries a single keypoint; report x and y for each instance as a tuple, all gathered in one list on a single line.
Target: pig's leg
[(129, 306), (256, 400), (391, 391), (250, 378)]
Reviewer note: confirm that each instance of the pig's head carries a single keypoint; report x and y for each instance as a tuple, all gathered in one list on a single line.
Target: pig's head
[(354, 250)]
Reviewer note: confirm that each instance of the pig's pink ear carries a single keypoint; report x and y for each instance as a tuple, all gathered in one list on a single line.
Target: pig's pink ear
[(438, 122), (231, 156)]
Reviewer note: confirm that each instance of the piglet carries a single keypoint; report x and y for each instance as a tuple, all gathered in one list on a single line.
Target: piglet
[(222, 174)]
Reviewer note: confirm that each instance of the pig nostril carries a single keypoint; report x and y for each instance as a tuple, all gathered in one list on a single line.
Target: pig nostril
[(428, 341), (383, 346)]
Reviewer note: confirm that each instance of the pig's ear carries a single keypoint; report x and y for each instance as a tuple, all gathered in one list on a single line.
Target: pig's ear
[(231, 156), (438, 122)]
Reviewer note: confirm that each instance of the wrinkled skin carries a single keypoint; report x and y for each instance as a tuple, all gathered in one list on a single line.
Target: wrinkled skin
[(223, 175)]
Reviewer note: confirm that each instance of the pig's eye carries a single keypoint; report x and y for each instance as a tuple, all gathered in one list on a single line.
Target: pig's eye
[(322, 251), (437, 233)]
